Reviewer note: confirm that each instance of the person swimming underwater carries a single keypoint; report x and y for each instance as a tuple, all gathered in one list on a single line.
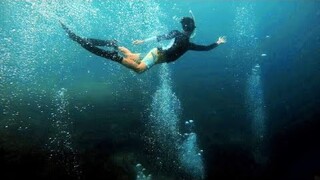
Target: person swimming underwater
[(179, 45)]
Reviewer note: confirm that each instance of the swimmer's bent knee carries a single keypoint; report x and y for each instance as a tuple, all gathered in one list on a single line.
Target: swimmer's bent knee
[(141, 68)]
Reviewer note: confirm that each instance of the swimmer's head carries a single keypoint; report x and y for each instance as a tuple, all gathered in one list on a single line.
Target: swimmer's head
[(188, 24)]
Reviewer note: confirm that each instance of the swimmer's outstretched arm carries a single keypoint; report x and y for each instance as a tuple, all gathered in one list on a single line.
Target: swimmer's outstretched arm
[(196, 47), (168, 36), (137, 42)]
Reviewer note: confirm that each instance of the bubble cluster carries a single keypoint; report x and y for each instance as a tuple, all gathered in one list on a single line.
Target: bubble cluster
[(191, 156), (245, 31), (163, 120), (173, 150), (60, 143), (256, 108), (141, 173), (244, 47)]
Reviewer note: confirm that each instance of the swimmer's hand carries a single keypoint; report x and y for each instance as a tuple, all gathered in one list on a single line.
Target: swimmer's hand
[(222, 40), (137, 42)]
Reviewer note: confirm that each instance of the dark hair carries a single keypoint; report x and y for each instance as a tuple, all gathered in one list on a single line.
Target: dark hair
[(187, 24)]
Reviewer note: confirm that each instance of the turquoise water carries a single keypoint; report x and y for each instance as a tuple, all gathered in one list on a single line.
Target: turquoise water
[(248, 109)]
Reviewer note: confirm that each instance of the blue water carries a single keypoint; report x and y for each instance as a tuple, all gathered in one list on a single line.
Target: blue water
[(248, 109)]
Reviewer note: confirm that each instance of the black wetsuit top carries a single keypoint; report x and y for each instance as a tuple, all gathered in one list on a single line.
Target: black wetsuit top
[(181, 45)]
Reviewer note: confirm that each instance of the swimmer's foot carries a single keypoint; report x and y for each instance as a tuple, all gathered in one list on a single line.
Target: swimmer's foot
[(71, 35), (113, 43)]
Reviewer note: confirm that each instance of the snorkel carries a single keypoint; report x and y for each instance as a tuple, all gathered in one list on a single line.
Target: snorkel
[(194, 32)]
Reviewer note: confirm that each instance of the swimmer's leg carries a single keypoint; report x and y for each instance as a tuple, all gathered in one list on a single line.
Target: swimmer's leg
[(137, 57), (91, 41), (148, 61), (138, 68), (98, 42), (125, 51), (112, 55), (89, 44)]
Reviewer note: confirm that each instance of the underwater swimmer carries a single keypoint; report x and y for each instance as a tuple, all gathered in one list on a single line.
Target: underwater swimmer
[(180, 44)]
